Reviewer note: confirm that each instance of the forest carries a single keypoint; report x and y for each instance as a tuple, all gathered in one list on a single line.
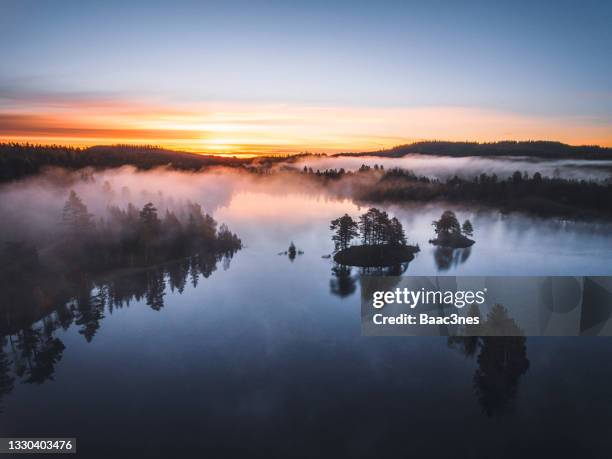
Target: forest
[(21, 160), (89, 253), (136, 238), (533, 149), (536, 195)]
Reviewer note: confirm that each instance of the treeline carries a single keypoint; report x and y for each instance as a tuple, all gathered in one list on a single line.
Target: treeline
[(74, 281), (134, 238), (79, 267), (543, 196), (374, 227), (339, 173), (536, 149), (20, 160), (86, 248)]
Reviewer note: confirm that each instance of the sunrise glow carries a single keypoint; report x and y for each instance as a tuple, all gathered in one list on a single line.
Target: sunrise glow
[(248, 129)]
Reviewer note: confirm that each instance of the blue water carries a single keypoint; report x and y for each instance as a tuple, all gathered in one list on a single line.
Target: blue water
[(262, 358)]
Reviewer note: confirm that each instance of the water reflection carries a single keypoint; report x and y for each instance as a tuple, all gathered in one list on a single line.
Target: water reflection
[(28, 323), (342, 283), (502, 360), (280, 342), (447, 257)]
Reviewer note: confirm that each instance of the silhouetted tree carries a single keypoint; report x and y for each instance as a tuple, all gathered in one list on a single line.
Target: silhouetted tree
[(375, 228), (396, 235), (447, 224), (149, 221), (467, 228), (366, 224), (345, 230), (75, 217)]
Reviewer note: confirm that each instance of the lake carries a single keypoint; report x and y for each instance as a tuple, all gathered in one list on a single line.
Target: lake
[(266, 354)]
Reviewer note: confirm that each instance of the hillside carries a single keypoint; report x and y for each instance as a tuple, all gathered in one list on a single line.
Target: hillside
[(20, 160), (536, 149)]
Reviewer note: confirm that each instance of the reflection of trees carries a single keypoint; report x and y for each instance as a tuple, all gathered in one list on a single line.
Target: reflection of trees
[(446, 257), (342, 283), (501, 363), (502, 360), (156, 286), (32, 350), (88, 311), (7, 381), (35, 353)]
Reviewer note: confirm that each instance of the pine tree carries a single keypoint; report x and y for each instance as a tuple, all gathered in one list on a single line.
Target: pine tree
[(448, 224), (467, 228), (149, 221), (345, 230), (397, 236), (75, 216)]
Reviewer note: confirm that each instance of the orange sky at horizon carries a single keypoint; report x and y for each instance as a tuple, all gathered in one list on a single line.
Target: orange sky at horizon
[(248, 129)]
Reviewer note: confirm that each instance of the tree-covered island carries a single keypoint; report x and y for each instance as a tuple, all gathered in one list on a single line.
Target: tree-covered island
[(450, 233), (383, 240)]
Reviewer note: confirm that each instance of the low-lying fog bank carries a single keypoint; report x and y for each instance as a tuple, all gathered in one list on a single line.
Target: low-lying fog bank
[(442, 167), (31, 208)]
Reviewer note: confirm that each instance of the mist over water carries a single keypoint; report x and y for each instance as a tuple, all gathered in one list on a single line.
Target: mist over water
[(268, 212), (268, 344), (443, 167)]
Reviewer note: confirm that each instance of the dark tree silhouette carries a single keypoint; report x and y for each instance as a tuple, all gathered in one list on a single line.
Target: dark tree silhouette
[(376, 228), (542, 196), (383, 241), (447, 224), (467, 229), (149, 221), (395, 233), (75, 217), (345, 230)]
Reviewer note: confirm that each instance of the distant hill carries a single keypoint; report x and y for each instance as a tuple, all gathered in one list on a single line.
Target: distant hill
[(20, 160), (535, 149)]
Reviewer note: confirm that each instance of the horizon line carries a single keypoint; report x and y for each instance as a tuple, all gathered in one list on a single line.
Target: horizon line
[(296, 152)]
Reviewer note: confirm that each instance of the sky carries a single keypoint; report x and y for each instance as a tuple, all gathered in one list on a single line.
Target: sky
[(250, 77)]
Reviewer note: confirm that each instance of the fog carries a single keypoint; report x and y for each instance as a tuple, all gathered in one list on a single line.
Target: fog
[(31, 209), (466, 167)]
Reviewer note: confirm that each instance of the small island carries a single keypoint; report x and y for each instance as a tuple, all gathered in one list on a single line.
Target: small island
[(383, 240), (450, 234)]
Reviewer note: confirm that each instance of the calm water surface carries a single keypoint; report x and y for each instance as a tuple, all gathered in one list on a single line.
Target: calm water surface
[(267, 354)]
